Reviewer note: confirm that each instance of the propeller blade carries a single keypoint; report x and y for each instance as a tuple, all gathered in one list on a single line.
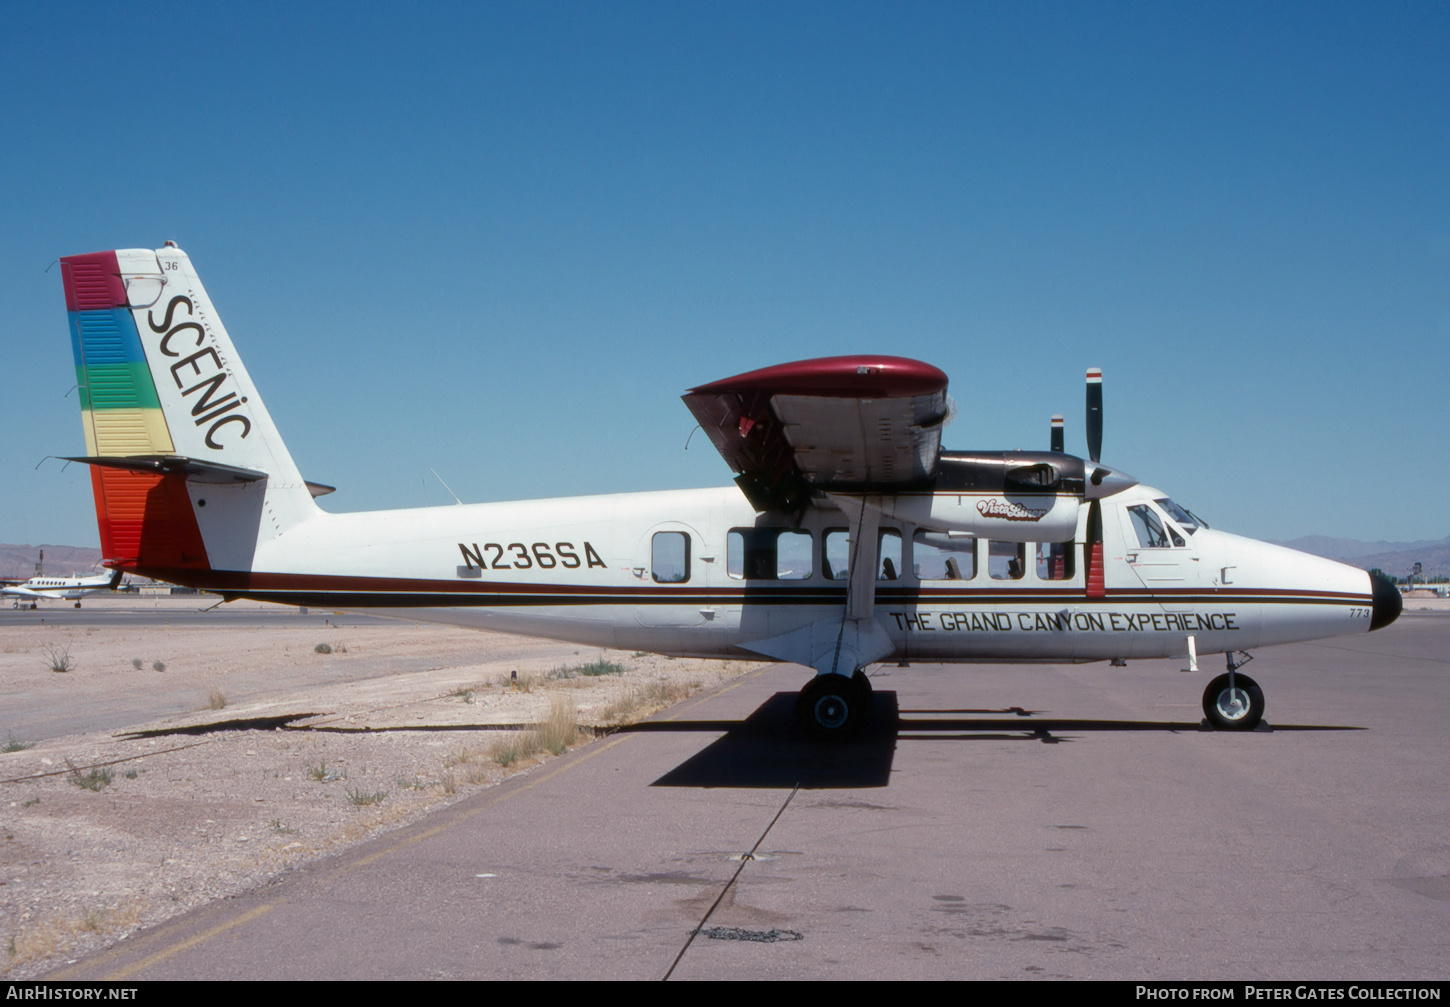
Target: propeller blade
[(1057, 443), (1095, 412)]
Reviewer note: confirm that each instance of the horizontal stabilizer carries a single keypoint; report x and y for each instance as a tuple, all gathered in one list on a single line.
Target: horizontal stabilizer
[(194, 470)]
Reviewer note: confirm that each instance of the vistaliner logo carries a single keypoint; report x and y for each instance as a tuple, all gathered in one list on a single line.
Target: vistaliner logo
[(1010, 511)]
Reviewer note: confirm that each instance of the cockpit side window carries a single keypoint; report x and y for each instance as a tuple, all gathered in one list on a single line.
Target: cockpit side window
[(1149, 529), (1186, 519)]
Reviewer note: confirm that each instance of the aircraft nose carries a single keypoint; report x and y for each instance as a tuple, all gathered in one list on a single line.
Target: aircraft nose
[(1387, 603)]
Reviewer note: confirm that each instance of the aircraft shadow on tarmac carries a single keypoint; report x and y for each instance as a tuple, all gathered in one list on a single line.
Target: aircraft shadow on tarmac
[(766, 749)]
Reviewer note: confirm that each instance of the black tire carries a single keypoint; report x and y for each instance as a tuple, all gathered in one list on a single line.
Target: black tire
[(862, 682), (1234, 713), (830, 708)]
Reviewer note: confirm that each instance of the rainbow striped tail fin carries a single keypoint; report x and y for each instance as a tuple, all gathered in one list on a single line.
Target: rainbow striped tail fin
[(188, 471)]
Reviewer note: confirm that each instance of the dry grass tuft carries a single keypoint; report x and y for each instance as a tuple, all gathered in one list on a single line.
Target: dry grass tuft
[(361, 798), (641, 701), (57, 935), (58, 658), (513, 748), (458, 757), (594, 669), (96, 780), (560, 729), (216, 699)]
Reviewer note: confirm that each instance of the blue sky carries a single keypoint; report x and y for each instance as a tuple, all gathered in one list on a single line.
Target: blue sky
[(501, 240)]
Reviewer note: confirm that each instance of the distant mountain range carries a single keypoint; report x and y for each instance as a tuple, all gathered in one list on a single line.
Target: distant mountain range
[(1396, 558), (18, 561)]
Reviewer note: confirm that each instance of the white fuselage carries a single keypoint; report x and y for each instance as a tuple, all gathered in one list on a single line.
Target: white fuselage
[(667, 572)]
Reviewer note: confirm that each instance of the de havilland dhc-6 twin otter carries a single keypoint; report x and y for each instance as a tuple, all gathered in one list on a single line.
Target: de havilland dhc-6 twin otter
[(850, 537)]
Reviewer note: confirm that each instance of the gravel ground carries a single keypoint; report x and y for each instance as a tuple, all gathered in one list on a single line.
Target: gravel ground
[(259, 753)]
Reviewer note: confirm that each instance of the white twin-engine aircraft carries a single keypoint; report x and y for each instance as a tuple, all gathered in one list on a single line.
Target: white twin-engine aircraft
[(850, 537), (42, 588)]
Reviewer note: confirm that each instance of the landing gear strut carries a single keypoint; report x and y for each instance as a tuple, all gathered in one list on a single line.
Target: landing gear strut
[(1233, 701), (833, 707)]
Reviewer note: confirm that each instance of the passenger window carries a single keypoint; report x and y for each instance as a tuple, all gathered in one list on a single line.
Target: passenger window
[(1054, 561), (939, 556), (768, 554), (836, 554), (793, 555), (750, 553), (888, 566), (1007, 560), (670, 557)]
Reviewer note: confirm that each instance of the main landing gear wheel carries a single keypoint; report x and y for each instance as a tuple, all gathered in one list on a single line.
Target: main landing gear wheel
[(862, 682), (1237, 709), (831, 708)]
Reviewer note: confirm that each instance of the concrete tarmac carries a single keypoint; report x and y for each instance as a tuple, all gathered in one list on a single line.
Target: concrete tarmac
[(34, 708), (124, 611), (1020, 822)]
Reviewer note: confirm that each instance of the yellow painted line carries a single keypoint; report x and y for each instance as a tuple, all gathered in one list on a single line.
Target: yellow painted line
[(196, 940), (158, 957), (128, 971)]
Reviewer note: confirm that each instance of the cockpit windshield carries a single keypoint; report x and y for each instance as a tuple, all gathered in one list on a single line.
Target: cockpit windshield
[(1187, 520)]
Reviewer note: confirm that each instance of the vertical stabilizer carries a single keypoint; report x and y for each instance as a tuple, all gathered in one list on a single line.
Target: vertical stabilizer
[(188, 470)]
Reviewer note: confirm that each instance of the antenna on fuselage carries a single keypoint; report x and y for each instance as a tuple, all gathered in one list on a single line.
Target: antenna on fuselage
[(446, 486)]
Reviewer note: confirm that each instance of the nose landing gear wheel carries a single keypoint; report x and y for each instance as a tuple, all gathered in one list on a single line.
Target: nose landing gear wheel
[(831, 708), (1237, 709)]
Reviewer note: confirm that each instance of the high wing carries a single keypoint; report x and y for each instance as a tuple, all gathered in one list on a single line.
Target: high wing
[(839, 423)]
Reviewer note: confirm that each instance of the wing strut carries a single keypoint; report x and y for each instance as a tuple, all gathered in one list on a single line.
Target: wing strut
[(865, 549), (841, 646)]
